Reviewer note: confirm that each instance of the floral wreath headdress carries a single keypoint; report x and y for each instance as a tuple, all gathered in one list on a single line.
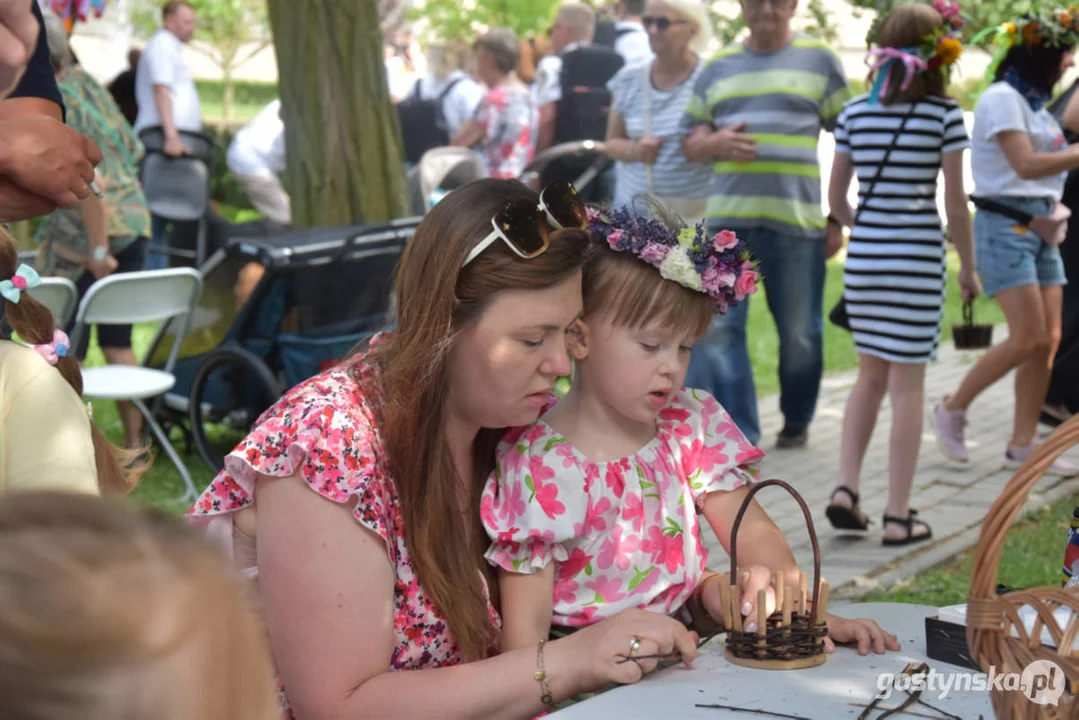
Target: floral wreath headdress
[(1052, 28), (720, 266), (940, 48)]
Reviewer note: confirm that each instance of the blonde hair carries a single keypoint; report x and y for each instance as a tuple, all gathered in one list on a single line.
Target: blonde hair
[(444, 57), (696, 12), (580, 18), (111, 613)]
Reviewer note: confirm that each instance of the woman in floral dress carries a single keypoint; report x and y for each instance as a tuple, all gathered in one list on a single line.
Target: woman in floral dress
[(353, 503)]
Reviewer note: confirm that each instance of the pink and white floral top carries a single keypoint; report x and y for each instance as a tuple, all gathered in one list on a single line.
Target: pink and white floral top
[(324, 428), (625, 532)]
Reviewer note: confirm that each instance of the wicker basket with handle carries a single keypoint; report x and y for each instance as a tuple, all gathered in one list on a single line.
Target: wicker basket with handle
[(991, 618), (793, 635)]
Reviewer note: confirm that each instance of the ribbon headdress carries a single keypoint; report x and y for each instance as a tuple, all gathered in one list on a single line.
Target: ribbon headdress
[(940, 48)]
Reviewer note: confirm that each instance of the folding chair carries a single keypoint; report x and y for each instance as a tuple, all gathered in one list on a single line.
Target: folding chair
[(178, 188), (59, 295), (137, 297)]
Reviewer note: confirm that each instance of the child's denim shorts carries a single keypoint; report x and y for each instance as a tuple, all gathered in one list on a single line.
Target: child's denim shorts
[(1010, 255)]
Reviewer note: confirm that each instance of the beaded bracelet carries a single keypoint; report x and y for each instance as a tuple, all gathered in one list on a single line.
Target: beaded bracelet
[(541, 677)]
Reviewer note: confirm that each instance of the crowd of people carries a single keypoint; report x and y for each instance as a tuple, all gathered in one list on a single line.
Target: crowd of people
[(491, 548)]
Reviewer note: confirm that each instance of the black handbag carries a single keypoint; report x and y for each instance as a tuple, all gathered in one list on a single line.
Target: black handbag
[(838, 316)]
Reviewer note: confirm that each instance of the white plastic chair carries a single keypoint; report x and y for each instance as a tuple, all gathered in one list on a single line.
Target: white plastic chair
[(59, 295), (137, 297)]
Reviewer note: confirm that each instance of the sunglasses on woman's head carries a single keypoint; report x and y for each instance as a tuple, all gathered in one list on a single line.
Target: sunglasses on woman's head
[(663, 24), (526, 228)]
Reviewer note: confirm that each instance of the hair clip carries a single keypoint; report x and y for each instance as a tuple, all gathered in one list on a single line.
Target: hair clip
[(56, 349), (25, 277)]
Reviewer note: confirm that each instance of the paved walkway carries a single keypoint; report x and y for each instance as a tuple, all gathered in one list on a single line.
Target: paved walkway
[(953, 500)]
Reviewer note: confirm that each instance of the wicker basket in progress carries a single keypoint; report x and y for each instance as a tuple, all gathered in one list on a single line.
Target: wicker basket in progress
[(792, 636), (991, 618)]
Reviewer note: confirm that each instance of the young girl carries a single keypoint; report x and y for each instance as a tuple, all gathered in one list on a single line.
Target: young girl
[(47, 438), (593, 509), (1020, 160), (895, 269)]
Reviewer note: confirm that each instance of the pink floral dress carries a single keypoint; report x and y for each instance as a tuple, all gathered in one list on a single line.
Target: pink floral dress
[(324, 428), (625, 533)]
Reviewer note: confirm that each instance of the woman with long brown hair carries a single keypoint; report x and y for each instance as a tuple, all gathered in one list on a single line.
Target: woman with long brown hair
[(47, 438), (380, 570)]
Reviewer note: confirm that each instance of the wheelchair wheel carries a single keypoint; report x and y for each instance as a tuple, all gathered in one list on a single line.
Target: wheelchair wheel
[(231, 388)]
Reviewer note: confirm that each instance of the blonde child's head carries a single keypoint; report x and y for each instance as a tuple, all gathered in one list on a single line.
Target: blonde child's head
[(111, 613), (650, 291)]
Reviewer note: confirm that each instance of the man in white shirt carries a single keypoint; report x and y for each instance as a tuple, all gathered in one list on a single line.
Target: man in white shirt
[(573, 26), (631, 39), (255, 157), (164, 88), (167, 98)]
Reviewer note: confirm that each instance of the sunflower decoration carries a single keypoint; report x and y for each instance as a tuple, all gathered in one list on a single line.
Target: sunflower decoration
[(942, 47)]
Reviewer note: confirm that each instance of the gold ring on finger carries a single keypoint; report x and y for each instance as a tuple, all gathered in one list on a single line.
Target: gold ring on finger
[(634, 645)]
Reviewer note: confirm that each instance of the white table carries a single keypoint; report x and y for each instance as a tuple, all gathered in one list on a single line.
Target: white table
[(838, 689)]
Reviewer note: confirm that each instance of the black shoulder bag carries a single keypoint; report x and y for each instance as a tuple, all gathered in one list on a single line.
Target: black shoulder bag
[(838, 316)]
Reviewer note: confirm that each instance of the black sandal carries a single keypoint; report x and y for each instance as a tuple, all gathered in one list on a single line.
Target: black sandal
[(844, 518), (908, 523)]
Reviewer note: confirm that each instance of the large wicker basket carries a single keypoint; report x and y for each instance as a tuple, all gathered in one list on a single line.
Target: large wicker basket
[(991, 618)]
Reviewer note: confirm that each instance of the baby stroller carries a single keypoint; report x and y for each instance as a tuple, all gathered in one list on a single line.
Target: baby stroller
[(442, 170), (275, 310)]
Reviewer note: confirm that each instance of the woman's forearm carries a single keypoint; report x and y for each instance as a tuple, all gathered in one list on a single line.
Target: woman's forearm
[(1040, 165), (500, 687), (960, 230), (621, 149)]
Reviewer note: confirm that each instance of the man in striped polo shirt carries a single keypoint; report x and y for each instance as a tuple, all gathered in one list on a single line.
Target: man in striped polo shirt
[(756, 115)]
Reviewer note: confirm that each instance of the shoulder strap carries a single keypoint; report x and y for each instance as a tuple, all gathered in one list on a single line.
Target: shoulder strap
[(883, 162), (446, 91)]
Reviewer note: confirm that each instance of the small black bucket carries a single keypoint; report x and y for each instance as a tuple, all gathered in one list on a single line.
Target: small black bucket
[(969, 336)]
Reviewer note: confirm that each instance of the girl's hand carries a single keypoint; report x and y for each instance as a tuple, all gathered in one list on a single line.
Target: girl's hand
[(969, 283), (597, 654), (866, 633), (760, 578)]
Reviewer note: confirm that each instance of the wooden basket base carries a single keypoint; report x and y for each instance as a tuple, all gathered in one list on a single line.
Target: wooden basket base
[(776, 664)]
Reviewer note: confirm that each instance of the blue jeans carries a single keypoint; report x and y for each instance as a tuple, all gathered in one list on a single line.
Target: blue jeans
[(793, 271), (159, 239)]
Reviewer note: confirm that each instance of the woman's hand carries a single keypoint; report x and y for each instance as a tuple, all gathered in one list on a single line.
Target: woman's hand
[(866, 633), (646, 150), (597, 654), (969, 283)]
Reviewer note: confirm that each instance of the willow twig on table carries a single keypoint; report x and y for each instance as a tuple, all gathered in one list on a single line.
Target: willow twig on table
[(751, 711)]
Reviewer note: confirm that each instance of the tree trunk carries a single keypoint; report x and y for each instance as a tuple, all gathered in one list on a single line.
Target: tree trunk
[(345, 159), (228, 93)]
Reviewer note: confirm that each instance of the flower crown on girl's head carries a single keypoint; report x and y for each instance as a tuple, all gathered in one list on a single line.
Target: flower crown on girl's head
[(720, 266), (940, 48), (1052, 28)]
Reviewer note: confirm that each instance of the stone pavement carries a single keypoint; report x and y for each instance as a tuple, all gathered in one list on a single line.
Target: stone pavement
[(953, 500)]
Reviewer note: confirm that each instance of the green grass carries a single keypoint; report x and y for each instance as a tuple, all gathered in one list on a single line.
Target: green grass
[(249, 99), (1032, 557), (163, 483)]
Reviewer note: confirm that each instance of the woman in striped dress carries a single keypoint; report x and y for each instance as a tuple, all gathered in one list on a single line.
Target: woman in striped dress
[(895, 269)]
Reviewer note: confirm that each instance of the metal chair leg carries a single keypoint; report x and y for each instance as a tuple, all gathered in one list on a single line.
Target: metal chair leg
[(166, 445)]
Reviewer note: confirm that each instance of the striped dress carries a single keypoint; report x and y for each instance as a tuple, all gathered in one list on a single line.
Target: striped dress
[(895, 271)]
